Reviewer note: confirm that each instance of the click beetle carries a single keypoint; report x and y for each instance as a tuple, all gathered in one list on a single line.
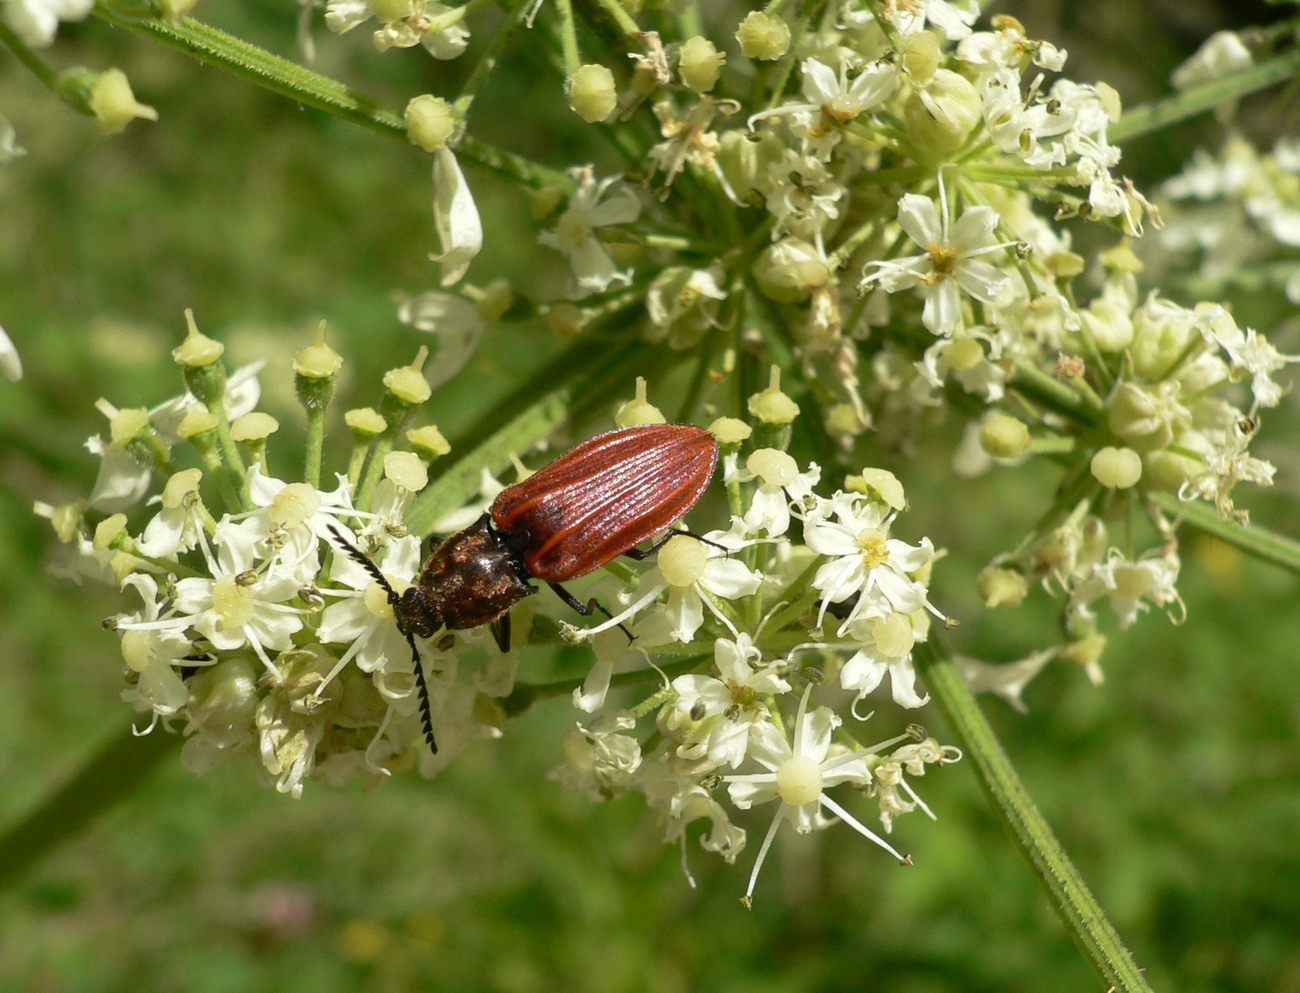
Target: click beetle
[(594, 503)]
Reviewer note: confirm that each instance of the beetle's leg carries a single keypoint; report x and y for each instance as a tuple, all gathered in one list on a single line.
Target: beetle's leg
[(501, 632), (585, 609), (641, 555)]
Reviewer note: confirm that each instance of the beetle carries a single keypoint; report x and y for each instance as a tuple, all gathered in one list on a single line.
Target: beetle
[(594, 503)]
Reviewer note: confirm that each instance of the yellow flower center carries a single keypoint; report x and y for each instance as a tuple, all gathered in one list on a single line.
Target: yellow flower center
[(875, 551), (799, 781)]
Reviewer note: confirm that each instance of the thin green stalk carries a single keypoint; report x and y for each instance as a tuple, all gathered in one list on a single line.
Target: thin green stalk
[(568, 37), (1068, 893), (1249, 538), (113, 773), (614, 10), (487, 62), (215, 47), (43, 71), (1049, 390), (315, 446), (1198, 99)]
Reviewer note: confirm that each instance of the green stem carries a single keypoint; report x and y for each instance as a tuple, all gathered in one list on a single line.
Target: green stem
[(1259, 542), (1047, 389), (39, 67), (112, 774), (568, 37), (488, 60), (1197, 100), (1068, 893), (621, 17), (315, 446), (288, 79)]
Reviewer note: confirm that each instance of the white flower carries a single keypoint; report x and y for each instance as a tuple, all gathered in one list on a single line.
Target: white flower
[(361, 616), (802, 195), (455, 218), (599, 759), (575, 233), (1249, 351), (1131, 587), (832, 99), (1008, 680), (236, 605), (9, 147), (1221, 54), (454, 322), (37, 21), (780, 484), (952, 18), (152, 646), (10, 364), (799, 777), (951, 262), (176, 527), (715, 715), (885, 646), (864, 562), (912, 759), (419, 25)]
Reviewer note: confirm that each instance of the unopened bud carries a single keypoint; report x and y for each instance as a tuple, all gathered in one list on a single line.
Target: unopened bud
[(763, 36), (771, 406), (1001, 587), (699, 63), (430, 122), (1003, 436), (113, 103), (639, 410), (592, 95)]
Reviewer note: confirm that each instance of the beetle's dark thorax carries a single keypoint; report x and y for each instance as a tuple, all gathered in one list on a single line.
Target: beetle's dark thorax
[(474, 576)]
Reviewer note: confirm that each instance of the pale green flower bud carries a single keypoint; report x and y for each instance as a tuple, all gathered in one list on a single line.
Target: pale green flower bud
[(197, 350), (113, 103), (428, 442), (942, 113), (317, 360), (405, 469), (365, 422), (407, 383), (1003, 436), (921, 56), (879, 483), (1160, 338), (1109, 324), (789, 270), (592, 94), (223, 698), (1146, 417), (253, 427), (699, 63), (730, 431), (1001, 587), (771, 406), (682, 561), (430, 122), (763, 36), (1168, 470), (639, 410), (1117, 468), (494, 300)]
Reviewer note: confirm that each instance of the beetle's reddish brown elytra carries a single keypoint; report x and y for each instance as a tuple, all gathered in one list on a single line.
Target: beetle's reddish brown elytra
[(594, 503)]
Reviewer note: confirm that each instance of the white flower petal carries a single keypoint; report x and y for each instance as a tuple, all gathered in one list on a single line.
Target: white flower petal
[(455, 218)]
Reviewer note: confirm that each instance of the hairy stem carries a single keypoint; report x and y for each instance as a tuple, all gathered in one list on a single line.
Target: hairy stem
[(1069, 895)]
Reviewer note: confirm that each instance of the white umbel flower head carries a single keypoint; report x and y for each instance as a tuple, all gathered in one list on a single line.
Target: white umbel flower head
[(593, 205)]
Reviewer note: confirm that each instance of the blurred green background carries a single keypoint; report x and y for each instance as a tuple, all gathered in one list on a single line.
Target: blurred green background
[(1176, 785)]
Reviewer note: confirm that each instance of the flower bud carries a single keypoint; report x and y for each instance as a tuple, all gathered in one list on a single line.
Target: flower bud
[(1109, 324), (921, 56), (699, 63), (763, 36), (640, 410), (682, 561), (404, 469), (113, 103), (881, 484), (730, 430), (365, 422), (1117, 468), (253, 427), (773, 466), (1168, 470), (494, 300), (1001, 587), (771, 406), (223, 698), (430, 122), (592, 95), (893, 635), (428, 442), (407, 383), (1003, 436), (1147, 417), (789, 270), (197, 350), (317, 360), (941, 115), (1161, 334), (195, 424)]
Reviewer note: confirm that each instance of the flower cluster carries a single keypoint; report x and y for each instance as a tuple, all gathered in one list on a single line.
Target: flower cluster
[(258, 633)]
